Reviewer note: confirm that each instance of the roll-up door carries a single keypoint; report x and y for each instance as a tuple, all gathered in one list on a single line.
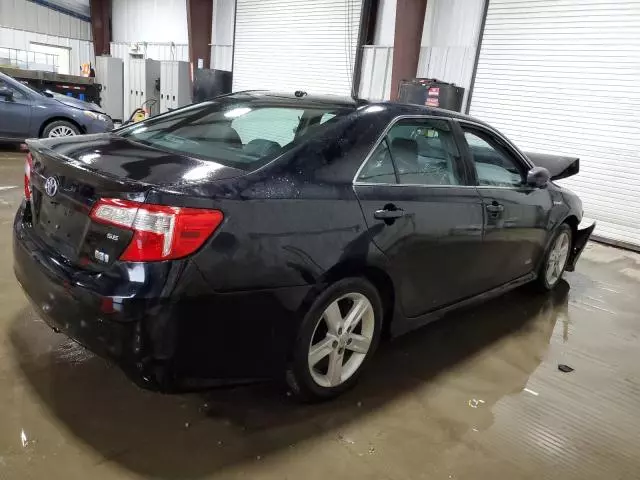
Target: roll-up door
[(563, 77), (289, 45)]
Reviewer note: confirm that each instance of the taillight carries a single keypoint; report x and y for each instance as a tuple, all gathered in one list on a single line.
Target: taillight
[(160, 232), (27, 176)]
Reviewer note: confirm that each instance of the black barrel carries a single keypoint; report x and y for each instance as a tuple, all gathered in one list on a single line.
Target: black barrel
[(432, 93)]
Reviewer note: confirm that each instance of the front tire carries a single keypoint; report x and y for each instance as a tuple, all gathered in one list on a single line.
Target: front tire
[(60, 128), (555, 259), (337, 338)]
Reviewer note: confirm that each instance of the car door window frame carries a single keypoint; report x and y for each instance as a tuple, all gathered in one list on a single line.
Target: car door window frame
[(505, 147), (22, 95), (468, 180)]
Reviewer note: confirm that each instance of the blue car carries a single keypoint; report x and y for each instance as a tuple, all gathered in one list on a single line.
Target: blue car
[(26, 113)]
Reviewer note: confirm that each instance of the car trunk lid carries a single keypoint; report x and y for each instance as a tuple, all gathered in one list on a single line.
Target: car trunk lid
[(69, 176)]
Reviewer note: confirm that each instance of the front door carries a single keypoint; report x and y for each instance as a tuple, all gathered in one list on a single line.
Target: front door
[(15, 112), (516, 214), (423, 214)]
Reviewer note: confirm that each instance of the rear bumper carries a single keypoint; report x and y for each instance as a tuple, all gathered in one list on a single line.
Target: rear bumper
[(193, 338), (77, 312), (583, 233)]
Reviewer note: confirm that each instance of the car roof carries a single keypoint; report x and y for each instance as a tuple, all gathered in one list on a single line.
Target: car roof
[(332, 101)]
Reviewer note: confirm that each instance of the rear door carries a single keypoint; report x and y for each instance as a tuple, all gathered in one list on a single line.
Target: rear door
[(422, 212), (516, 214), (15, 113)]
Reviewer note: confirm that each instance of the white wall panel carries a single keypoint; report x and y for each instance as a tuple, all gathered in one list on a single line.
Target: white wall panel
[(29, 16), (562, 77), (154, 51), (385, 30), (222, 34), (291, 45), (81, 51), (375, 81), (449, 41), (155, 21)]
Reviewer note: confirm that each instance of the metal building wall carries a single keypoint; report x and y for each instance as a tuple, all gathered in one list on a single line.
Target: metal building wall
[(377, 59), (450, 40), (81, 51), (222, 34), (155, 51), (31, 17), (157, 21)]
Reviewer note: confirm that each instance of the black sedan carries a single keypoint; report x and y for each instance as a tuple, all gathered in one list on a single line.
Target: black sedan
[(263, 235)]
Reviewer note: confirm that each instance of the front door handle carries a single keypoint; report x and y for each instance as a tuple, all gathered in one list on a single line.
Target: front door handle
[(387, 214), (495, 208)]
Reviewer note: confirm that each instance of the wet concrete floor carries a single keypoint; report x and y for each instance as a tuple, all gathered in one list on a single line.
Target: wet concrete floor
[(477, 395)]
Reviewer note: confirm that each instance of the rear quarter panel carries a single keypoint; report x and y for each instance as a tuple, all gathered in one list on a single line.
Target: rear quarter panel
[(295, 219)]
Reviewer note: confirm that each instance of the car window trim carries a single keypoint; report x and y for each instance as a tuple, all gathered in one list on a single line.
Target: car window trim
[(501, 149), (383, 136), (517, 156)]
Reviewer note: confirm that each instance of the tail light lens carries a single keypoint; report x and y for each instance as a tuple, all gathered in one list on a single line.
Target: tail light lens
[(160, 232), (27, 176)]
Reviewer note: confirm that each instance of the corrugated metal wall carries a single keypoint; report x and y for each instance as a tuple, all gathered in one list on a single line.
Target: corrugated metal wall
[(30, 17), (157, 21), (222, 34), (155, 51), (294, 45), (375, 82), (449, 41), (563, 77), (81, 51)]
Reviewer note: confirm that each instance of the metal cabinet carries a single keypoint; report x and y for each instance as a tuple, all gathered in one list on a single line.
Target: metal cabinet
[(110, 75), (141, 79), (175, 85)]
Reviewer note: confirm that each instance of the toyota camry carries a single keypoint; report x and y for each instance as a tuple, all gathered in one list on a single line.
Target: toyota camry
[(281, 236)]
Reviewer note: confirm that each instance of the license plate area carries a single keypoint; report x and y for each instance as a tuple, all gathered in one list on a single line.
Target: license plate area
[(61, 225)]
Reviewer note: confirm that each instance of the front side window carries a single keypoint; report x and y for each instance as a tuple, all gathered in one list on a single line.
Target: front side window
[(243, 135), (17, 94), (494, 167)]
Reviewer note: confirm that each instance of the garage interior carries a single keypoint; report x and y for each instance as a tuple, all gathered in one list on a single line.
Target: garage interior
[(479, 394)]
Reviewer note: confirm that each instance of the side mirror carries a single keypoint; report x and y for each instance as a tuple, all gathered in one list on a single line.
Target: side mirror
[(538, 177), (7, 93)]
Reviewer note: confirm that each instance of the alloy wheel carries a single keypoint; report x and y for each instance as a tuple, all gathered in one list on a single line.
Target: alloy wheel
[(557, 258), (61, 131), (341, 340)]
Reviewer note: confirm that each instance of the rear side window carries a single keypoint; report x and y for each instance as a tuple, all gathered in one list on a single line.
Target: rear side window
[(423, 152), (243, 135), (379, 167)]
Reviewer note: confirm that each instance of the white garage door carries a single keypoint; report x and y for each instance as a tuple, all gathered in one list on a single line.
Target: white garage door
[(563, 76), (289, 45)]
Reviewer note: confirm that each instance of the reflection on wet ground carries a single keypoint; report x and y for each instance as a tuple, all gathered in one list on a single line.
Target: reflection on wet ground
[(476, 395)]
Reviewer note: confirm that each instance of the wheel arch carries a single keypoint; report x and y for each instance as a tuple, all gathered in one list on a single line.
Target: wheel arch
[(378, 277), (59, 118)]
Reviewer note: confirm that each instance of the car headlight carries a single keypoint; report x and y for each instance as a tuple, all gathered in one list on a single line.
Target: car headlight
[(96, 116)]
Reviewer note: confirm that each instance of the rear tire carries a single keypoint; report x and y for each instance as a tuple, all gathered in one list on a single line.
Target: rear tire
[(337, 338), (60, 128), (555, 259)]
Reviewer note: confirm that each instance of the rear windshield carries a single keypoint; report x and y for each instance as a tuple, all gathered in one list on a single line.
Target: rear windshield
[(243, 135)]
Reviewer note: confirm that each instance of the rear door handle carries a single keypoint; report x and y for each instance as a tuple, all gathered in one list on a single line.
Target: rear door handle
[(388, 214)]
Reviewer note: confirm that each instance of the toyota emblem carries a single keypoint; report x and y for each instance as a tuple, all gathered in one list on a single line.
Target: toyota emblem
[(51, 186)]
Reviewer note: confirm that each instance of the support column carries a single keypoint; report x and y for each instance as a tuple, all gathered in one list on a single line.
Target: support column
[(101, 26), (199, 23), (406, 44)]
